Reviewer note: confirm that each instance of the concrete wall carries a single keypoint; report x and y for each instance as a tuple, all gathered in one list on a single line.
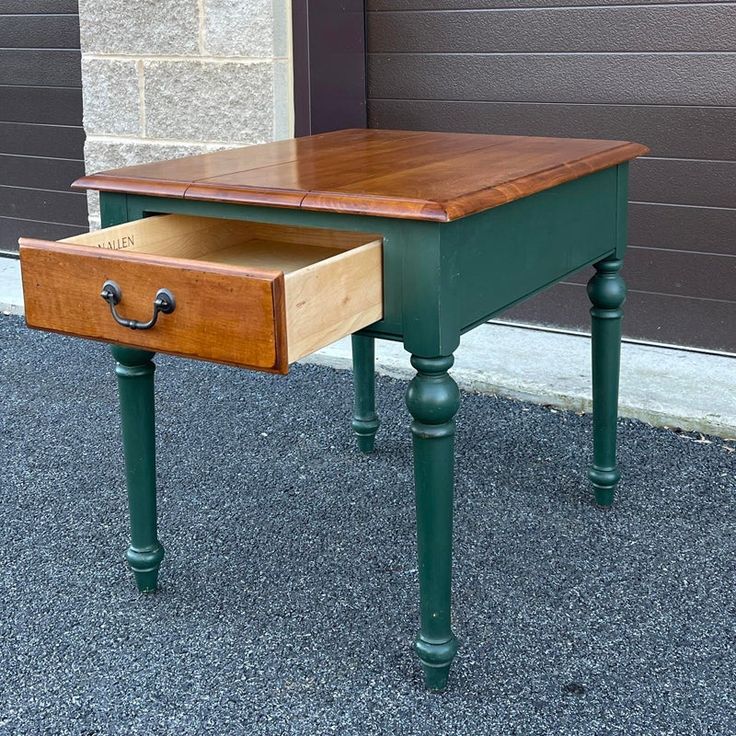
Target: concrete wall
[(178, 77)]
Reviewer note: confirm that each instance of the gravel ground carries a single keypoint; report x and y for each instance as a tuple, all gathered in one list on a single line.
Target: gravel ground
[(288, 594)]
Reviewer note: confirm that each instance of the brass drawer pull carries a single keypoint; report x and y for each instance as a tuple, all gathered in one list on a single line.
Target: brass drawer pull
[(164, 302)]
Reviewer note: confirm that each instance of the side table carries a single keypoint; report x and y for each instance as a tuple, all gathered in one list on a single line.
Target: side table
[(261, 255)]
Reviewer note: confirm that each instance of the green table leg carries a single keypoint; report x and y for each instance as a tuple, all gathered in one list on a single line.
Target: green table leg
[(365, 420), (607, 292), (134, 370), (433, 399)]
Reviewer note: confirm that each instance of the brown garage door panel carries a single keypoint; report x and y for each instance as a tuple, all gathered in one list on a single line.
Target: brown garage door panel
[(40, 173), (33, 68), (659, 28), (666, 129), (58, 141), (11, 229), (47, 105), (676, 272), (704, 229), (39, 31), (68, 208), (652, 317), (41, 134), (653, 79), (660, 73), (402, 5), (28, 7), (709, 183)]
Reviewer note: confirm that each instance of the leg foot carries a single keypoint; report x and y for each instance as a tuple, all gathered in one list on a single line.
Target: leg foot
[(365, 420), (135, 370), (145, 564), (607, 292), (366, 442), (604, 484), (433, 399), (436, 659)]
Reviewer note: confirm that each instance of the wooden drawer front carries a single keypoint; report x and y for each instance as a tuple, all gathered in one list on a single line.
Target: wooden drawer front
[(219, 315), (254, 295)]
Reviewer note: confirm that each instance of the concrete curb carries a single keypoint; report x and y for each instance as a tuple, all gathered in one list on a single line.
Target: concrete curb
[(662, 386), (11, 293)]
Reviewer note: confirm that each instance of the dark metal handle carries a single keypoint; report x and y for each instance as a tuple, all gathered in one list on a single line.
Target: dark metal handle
[(164, 302)]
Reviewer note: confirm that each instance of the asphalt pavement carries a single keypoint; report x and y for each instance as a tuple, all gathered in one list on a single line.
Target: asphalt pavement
[(288, 597)]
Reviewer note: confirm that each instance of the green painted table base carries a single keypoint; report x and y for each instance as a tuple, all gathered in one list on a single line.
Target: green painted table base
[(135, 370), (365, 419), (440, 280), (607, 292)]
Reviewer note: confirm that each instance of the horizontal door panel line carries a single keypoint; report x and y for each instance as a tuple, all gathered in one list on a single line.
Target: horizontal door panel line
[(661, 293), (39, 86), (42, 49), (443, 100), (41, 125), (49, 158), (695, 160), (39, 189), (581, 6), (583, 333), (32, 48), (36, 15), (551, 53), (681, 251), (680, 204), (41, 222)]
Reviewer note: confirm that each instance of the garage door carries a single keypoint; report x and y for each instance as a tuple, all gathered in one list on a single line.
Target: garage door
[(41, 135), (662, 74)]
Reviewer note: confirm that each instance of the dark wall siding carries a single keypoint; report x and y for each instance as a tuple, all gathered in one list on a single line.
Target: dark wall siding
[(40, 68), (679, 227), (39, 7), (648, 316), (40, 173), (61, 141), (556, 30), (657, 73), (41, 134), (42, 105), (636, 78), (59, 207), (36, 32), (682, 181), (11, 229), (669, 130), (464, 5)]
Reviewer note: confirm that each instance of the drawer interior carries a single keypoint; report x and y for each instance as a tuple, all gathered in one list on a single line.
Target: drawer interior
[(247, 245)]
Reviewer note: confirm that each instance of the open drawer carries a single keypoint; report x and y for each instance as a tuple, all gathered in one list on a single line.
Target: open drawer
[(249, 294)]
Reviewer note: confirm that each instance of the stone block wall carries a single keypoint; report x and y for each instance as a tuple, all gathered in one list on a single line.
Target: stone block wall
[(168, 78)]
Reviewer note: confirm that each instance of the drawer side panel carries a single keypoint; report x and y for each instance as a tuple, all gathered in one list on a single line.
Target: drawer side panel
[(333, 298)]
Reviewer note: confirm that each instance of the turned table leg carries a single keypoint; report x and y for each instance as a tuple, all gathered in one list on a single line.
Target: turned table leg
[(433, 399), (134, 370), (607, 292), (365, 420)]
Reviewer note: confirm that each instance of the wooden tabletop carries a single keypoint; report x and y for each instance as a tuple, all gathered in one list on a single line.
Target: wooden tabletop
[(388, 173)]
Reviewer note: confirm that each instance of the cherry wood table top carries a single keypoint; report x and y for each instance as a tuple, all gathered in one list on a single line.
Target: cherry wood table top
[(387, 173)]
